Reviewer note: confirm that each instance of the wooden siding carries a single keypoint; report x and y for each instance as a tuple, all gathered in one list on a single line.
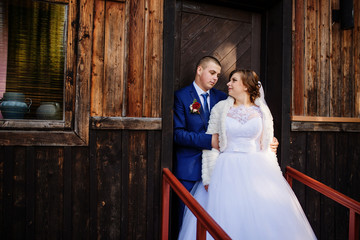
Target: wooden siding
[(231, 35), (47, 192), (332, 158), (127, 59), (326, 61)]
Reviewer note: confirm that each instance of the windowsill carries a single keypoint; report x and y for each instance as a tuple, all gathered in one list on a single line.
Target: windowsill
[(15, 124), (325, 124)]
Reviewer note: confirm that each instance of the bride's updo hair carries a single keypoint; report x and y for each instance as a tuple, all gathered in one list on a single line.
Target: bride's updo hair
[(251, 81)]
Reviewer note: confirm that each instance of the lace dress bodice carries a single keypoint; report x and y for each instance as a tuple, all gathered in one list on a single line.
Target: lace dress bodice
[(243, 129)]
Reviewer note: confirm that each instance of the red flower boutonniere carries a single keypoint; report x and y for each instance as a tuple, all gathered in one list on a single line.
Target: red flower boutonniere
[(195, 107)]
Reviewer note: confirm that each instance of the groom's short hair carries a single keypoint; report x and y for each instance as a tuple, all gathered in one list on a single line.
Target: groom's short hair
[(205, 60)]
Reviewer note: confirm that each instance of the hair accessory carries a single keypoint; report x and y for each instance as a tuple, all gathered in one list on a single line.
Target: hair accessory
[(259, 84)]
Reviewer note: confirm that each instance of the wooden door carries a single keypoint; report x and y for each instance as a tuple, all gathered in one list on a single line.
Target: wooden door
[(229, 34)]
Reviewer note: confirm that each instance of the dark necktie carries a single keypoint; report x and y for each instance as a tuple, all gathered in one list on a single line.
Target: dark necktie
[(206, 106)]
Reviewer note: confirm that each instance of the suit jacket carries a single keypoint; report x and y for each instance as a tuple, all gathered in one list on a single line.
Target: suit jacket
[(189, 132)]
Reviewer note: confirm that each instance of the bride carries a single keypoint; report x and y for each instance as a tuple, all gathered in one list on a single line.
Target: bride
[(242, 185)]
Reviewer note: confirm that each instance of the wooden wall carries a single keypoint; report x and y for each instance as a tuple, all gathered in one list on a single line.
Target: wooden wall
[(326, 61), (109, 189), (326, 83), (333, 159), (127, 58)]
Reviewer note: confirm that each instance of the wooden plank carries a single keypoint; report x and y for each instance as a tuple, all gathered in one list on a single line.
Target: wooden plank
[(126, 123), (242, 34), (84, 68), (137, 157), (347, 90), (313, 210), (2, 195), (97, 70), (192, 30), (157, 177), (124, 228), (298, 161), (30, 193), (327, 159), (325, 127), (135, 81), (70, 82), (335, 66), (323, 101), (57, 1), (354, 165), (19, 193), (311, 67), (93, 187), (207, 41), (324, 119), (153, 60), (356, 44), (48, 192), (67, 173), (80, 192), (222, 12), (150, 186), (114, 59), (8, 185), (108, 147), (176, 25), (168, 82), (341, 184), (293, 44), (283, 130), (38, 124), (256, 42), (40, 138)]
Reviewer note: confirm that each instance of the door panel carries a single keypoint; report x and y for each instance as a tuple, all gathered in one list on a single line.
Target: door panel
[(230, 35)]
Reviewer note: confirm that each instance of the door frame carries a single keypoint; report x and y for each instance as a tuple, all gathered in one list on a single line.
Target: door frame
[(276, 67)]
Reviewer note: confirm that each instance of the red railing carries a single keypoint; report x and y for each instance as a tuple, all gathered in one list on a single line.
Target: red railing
[(204, 221), (351, 204)]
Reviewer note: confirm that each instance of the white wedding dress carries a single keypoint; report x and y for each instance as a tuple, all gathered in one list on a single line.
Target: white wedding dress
[(248, 195)]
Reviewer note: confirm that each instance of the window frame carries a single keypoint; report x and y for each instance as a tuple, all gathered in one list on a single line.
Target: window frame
[(73, 130)]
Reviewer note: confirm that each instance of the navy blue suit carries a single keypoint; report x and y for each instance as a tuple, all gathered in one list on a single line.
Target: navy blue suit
[(190, 138), (189, 132)]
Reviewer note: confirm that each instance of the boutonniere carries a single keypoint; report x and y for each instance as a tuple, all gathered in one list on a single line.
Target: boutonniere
[(195, 107)]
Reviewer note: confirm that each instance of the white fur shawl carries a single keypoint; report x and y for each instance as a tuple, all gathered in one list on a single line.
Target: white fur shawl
[(217, 125)]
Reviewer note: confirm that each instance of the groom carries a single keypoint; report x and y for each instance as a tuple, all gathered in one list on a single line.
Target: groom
[(192, 106)]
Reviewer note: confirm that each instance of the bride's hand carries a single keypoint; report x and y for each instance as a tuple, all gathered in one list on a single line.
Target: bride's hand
[(274, 145), (215, 141), (206, 187)]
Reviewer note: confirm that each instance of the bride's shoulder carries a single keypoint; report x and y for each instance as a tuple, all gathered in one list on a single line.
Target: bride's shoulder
[(227, 102)]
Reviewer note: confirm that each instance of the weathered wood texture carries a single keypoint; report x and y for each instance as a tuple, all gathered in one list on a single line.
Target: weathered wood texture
[(44, 191), (231, 35), (326, 61), (332, 158), (127, 59)]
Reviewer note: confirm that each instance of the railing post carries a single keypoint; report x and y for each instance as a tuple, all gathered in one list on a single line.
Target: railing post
[(165, 209), (200, 231), (288, 179), (354, 222)]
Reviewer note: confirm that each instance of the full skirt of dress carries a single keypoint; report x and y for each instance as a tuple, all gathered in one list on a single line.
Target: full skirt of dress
[(250, 199)]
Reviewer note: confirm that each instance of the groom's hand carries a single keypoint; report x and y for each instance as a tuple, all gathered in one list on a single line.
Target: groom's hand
[(215, 141), (274, 145)]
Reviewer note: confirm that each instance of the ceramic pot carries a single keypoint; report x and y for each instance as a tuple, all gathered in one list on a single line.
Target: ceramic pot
[(14, 105), (48, 111)]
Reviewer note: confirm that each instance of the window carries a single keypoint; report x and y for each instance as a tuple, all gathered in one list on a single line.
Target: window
[(44, 74), (32, 79)]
